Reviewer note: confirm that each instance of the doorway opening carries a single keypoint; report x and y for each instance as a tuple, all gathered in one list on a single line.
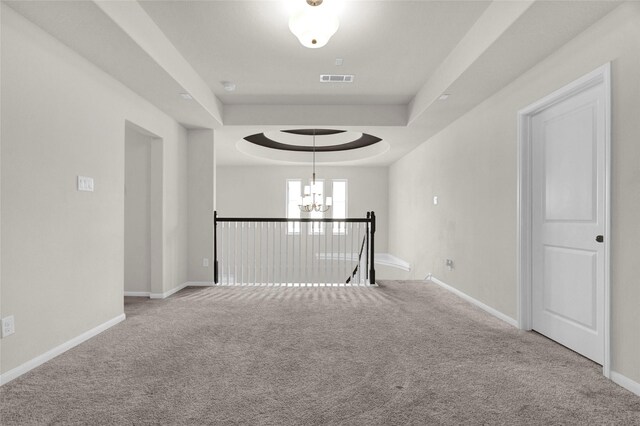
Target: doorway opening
[(142, 212)]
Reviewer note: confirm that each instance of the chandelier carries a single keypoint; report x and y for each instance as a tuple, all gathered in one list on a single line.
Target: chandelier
[(312, 194), (314, 24)]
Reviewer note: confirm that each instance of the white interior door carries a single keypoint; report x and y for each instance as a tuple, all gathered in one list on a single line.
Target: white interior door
[(568, 149)]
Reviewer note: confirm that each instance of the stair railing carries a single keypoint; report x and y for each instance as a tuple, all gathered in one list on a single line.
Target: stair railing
[(294, 252)]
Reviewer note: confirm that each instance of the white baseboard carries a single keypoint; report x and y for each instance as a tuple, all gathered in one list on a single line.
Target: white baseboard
[(137, 293), (470, 299), (49, 355), (200, 284), (625, 382), (167, 293)]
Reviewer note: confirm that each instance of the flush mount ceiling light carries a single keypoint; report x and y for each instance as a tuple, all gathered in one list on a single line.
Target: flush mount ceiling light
[(314, 23)]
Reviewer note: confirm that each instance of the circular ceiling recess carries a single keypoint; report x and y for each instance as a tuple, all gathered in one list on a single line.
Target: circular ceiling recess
[(294, 146), (286, 144)]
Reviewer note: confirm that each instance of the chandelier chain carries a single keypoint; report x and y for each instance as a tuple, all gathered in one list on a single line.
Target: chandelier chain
[(313, 204)]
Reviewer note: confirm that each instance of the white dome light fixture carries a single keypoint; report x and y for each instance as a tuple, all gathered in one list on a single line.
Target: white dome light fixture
[(314, 24)]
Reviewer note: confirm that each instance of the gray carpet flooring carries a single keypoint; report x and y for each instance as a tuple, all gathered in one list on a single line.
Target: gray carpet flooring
[(403, 353)]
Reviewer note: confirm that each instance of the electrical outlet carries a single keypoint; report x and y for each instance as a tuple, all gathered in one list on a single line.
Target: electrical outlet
[(85, 183), (8, 326), (205, 262)]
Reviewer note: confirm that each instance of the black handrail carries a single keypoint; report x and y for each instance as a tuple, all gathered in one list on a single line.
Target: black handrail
[(281, 219), (370, 221)]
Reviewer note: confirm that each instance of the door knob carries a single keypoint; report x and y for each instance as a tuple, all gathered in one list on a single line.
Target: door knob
[(600, 238)]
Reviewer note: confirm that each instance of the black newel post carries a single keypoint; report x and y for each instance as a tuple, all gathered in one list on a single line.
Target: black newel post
[(215, 247), (372, 272), (366, 268)]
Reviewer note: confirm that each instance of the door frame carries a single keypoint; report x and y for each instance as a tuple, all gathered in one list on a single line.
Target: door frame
[(601, 75)]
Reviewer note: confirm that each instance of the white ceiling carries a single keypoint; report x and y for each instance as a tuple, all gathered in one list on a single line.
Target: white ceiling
[(404, 54), (390, 47)]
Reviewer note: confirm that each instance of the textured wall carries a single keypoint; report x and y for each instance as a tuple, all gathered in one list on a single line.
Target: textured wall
[(63, 250), (471, 166), (201, 196)]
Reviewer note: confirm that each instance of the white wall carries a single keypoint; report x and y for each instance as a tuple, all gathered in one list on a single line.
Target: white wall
[(63, 250), (1, 10), (471, 166), (175, 212), (201, 199), (249, 191), (137, 210)]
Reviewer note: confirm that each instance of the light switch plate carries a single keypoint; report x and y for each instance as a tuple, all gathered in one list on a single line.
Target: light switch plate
[(85, 183), (435, 200)]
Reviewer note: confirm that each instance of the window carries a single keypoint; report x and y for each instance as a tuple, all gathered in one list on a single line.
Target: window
[(339, 205), (317, 227), (294, 189)]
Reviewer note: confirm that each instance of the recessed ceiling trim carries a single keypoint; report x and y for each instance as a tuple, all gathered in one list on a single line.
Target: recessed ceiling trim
[(311, 132), (486, 31), (363, 141), (139, 26), (276, 156)]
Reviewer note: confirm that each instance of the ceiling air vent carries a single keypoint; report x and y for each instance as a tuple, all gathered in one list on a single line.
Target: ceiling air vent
[(336, 78)]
